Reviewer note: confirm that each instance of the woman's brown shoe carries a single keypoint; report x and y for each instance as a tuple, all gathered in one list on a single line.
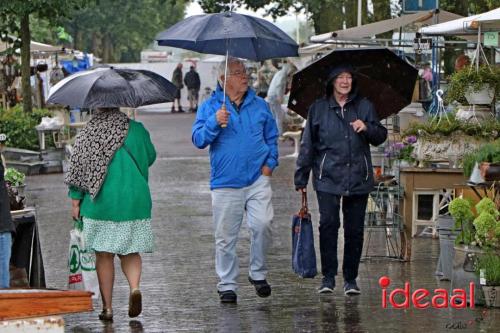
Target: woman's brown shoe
[(106, 315), (135, 303)]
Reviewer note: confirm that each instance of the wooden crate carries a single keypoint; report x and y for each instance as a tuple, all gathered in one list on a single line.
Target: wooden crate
[(26, 303)]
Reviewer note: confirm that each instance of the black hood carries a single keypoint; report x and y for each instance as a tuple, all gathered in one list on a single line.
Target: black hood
[(336, 71)]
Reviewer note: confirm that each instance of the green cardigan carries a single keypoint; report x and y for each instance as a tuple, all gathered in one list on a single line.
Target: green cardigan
[(124, 195)]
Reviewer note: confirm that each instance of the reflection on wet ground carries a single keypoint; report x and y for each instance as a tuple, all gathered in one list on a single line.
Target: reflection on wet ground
[(179, 280)]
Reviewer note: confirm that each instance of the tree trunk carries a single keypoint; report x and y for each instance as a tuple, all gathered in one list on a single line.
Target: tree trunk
[(382, 11), (328, 18), (25, 63), (351, 13)]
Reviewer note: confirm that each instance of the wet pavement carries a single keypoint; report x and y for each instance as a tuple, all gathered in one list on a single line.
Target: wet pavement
[(179, 280)]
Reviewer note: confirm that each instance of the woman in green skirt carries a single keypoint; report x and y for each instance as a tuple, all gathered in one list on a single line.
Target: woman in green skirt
[(108, 185)]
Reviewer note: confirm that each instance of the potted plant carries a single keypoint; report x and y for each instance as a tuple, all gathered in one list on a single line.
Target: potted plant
[(14, 178), (15, 182), (474, 86), (479, 232), (461, 211), (401, 152), (465, 251), (487, 225), (487, 158), (488, 269)]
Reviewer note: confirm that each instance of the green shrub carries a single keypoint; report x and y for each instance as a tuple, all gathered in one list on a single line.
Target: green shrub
[(20, 126), (461, 210), (487, 225), (490, 265), (489, 152), (489, 129), (14, 177)]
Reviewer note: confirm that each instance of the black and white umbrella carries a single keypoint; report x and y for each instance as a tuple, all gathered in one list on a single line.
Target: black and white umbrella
[(112, 87)]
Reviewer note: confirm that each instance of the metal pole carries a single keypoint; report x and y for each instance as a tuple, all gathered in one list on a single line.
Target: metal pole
[(359, 12)]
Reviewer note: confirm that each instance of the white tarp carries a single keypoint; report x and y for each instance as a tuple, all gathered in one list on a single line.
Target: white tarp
[(489, 21), (34, 47), (372, 29)]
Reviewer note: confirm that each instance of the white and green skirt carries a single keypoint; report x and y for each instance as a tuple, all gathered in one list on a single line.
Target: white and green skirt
[(122, 237)]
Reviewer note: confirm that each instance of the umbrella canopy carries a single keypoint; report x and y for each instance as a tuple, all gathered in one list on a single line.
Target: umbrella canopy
[(489, 21), (238, 35), (110, 87), (384, 78)]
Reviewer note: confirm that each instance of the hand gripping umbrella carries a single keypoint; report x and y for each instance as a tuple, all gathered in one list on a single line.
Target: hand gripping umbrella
[(230, 34), (110, 87)]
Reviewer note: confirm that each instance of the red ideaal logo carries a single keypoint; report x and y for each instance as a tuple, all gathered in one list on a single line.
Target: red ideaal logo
[(440, 299)]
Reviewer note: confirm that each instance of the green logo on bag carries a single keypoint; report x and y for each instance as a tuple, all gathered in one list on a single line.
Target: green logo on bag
[(74, 259), (87, 261)]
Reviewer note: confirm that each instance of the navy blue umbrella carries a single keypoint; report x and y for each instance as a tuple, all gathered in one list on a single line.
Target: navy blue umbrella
[(230, 33), (110, 87)]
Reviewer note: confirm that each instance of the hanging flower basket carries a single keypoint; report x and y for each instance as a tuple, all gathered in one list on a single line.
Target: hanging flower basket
[(483, 96)]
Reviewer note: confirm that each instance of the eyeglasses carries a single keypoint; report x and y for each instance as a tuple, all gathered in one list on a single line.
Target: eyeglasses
[(344, 77), (238, 73)]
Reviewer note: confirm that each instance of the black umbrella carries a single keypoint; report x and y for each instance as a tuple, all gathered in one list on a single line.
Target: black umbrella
[(384, 78), (110, 87)]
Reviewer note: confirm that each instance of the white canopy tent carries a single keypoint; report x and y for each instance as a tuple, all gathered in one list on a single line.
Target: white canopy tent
[(372, 29), (365, 33), (35, 47), (489, 21)]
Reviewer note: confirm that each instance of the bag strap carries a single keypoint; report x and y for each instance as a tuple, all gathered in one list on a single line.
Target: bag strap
[(304, 210), (132, 157)]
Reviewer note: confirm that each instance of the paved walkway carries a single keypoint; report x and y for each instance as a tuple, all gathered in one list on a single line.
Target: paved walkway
[(179, 280)]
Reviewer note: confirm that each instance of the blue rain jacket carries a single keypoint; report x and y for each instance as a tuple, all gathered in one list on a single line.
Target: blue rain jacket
[(239, 151)]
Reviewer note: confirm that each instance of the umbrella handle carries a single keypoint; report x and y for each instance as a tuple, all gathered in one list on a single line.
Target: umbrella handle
[(223, 107)]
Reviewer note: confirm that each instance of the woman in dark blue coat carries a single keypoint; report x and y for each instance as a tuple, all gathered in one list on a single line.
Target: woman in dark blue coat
[(336, 146)]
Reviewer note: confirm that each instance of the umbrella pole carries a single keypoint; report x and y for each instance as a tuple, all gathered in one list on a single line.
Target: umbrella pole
[(223, 107), (225, 72)]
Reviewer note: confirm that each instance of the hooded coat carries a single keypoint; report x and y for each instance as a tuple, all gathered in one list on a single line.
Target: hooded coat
[(338, 156)]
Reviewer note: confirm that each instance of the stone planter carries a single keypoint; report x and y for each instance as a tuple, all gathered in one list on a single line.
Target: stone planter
[(463, 273), (492, 296), (483, 96), (439, 148)]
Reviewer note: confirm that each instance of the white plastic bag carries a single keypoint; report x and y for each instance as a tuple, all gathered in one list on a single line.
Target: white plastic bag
[(81, 265)]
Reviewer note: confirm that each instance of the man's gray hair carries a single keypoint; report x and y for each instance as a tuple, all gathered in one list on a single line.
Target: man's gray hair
[(222, 66)]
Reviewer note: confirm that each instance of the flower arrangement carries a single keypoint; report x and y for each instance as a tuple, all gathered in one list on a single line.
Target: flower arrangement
[(14, 177), (402, 150)]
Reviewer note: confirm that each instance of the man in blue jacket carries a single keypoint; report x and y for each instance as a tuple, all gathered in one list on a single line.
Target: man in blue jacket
[(243, 154)]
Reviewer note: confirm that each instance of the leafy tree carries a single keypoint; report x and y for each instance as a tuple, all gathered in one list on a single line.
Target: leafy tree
[(117, 30), (327, 15), (15, 19)]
